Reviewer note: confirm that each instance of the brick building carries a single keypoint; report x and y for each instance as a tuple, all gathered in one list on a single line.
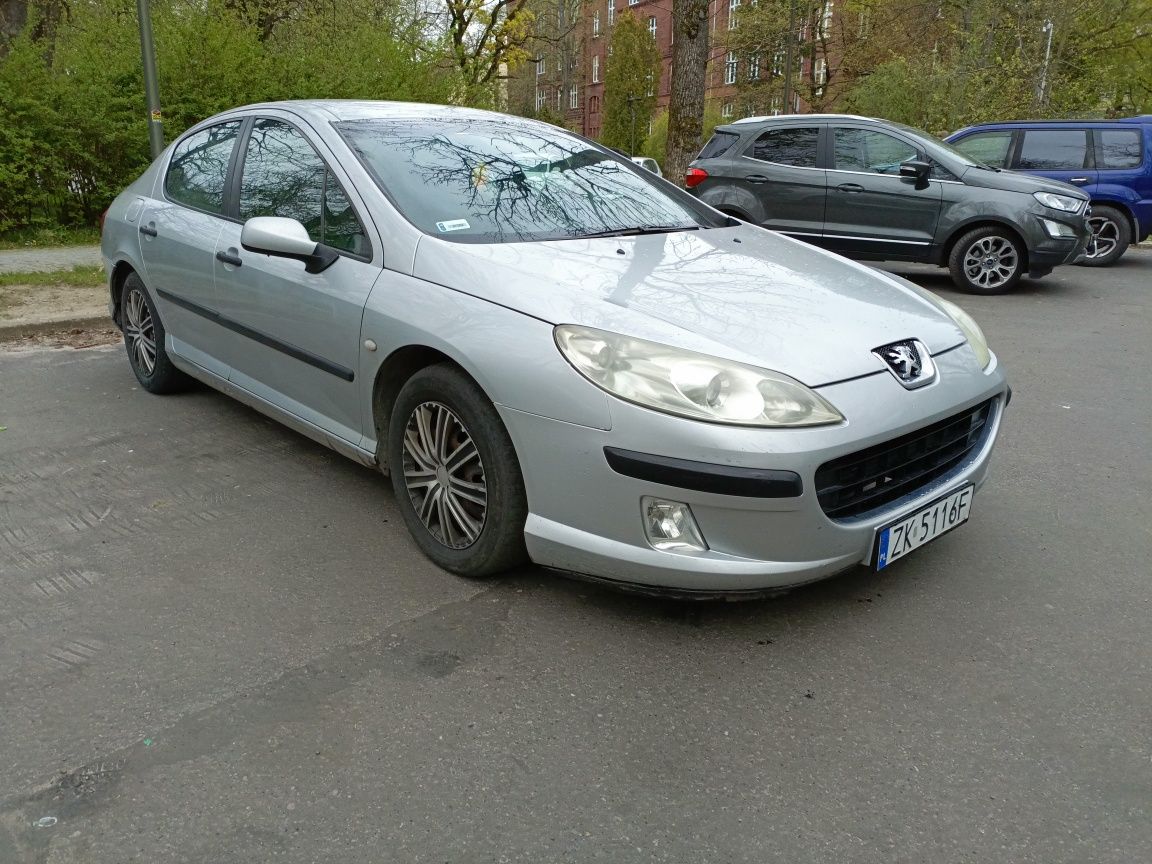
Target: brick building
[(566, 83)]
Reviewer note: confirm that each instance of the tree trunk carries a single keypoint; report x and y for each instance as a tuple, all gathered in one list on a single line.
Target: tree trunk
[(689, 76)]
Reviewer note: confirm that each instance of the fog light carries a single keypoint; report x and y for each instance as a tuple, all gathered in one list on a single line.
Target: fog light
[(1058, 229), (669, 526)]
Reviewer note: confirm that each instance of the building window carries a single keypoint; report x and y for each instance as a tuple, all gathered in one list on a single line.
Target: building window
[(754, 67), (559, 97), (726, 111), (595, 23), (652, 25), (648, 91), (776, 106), (733, 5), (825, 29), (865, 23), (596, 69), (594, 105), (539, 98), (573, 97), (778, 63), (540, 67), (633, 2), (730, 67), (611, 12), (820, 72)]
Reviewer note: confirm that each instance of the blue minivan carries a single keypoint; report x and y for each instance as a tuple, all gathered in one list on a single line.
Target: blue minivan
[(1111, 160)]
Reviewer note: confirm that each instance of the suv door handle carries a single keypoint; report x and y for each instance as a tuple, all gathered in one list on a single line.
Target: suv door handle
[(850, 187), (756, 178), (149, 231), (229, 258), (1079, 179)]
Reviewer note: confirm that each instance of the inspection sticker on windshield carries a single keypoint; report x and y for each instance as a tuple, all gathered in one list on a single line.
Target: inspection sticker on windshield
[(911, 533), (453, 225)]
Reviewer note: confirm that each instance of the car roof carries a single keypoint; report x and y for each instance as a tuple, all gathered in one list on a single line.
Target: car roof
[(747, 121), (358, 109), (1084, 121)]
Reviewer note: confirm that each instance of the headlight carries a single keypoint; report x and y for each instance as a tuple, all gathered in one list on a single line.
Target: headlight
[(689, 384), (971, 330), (1058, 202)]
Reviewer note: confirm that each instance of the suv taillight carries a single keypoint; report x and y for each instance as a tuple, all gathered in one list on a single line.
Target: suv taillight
[(695, 177)]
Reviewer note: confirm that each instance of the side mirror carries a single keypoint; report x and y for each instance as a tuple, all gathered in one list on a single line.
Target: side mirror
[(286, 238), (917, 170)]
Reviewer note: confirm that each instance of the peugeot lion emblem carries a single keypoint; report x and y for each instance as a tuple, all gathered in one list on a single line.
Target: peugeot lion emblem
[(908, 360)]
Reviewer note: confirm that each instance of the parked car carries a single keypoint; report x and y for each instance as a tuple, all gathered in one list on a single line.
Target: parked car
[(649, 163), (583, 365), (1111, 160), (878, 191)]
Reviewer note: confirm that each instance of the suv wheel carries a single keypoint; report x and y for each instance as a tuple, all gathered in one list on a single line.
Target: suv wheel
[(986, 261), (1111, 236)]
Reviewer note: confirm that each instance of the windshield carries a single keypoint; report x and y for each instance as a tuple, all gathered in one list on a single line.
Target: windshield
[(499, 180), (936, 147)]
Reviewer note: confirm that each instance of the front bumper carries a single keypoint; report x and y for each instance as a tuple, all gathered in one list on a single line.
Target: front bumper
[(1046, 252), (585, 517)]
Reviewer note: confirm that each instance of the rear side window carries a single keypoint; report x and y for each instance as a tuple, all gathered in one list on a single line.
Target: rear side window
[(284, 176), (199, 168), (991, 148), (718, 145), (1054, 150), (1118, 148), (793, 145)]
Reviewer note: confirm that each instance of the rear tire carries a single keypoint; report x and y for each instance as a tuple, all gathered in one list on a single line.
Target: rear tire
[(144, 340), (455, 474), (1111, 237), (986, 260)]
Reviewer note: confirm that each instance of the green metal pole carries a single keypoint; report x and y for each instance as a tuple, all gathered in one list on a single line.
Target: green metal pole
[(151, 89)]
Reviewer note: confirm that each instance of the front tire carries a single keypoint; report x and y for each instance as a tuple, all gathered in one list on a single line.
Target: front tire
[(144, 340), (1111, 237), (455, 474), (986, 260)]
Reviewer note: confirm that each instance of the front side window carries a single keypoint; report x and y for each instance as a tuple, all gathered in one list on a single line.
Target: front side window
[(990, 148), (1054, 150), (499, 180), (284, 176), (1118, 148), (198, 171), (792, 145), (871, 152)]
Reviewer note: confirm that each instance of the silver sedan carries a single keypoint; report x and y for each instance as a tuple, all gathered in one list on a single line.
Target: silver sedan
[(554, 354)]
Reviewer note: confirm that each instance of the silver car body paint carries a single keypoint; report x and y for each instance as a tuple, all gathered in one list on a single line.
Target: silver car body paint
[(740, 293)]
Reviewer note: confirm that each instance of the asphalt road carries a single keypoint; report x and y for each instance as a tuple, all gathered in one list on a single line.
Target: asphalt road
[(217, 644)]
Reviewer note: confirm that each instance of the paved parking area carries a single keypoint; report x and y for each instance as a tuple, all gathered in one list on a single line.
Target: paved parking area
[(217, 644)]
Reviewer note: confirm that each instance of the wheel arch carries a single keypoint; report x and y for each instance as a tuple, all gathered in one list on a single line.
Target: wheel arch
[(121, 270), (960, 230), (397, 368)]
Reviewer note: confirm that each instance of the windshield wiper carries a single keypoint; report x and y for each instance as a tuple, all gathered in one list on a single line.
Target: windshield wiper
[(639, 230)]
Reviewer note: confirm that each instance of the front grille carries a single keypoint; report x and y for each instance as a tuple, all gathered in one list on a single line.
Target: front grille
[(863, 481)]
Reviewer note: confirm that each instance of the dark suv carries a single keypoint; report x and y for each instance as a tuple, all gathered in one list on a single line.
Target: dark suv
[(880, 191), (1111, 160)]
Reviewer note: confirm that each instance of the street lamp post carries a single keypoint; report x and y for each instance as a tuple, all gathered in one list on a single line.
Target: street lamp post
[(151, 89), (1043, 85)]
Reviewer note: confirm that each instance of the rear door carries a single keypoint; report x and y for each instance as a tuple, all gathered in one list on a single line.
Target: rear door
[(779, 170), (872, 210), (1059, 153), (294, 337), (178, 233)]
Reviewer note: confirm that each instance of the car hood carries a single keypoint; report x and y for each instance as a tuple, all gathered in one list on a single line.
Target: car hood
[(742, 293), (1011, 181)]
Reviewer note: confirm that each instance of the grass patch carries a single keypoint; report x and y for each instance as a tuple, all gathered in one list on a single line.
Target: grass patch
[(33, 238), (84, 275)]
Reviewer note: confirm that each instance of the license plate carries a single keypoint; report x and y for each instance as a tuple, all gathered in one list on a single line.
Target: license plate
[(923, 526)]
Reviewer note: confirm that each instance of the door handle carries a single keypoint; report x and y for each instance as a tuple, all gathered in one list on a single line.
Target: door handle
[(850, 187), (756, 178), (1079, 179), (148, 231), (229, 258)]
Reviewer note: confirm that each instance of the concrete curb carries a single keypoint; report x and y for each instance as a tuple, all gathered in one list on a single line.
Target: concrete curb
[(11, 332)]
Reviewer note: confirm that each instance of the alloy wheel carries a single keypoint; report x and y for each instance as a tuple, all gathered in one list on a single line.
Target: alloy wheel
[(1105, 236), (991, 261), (444, 475), (140, 332)]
